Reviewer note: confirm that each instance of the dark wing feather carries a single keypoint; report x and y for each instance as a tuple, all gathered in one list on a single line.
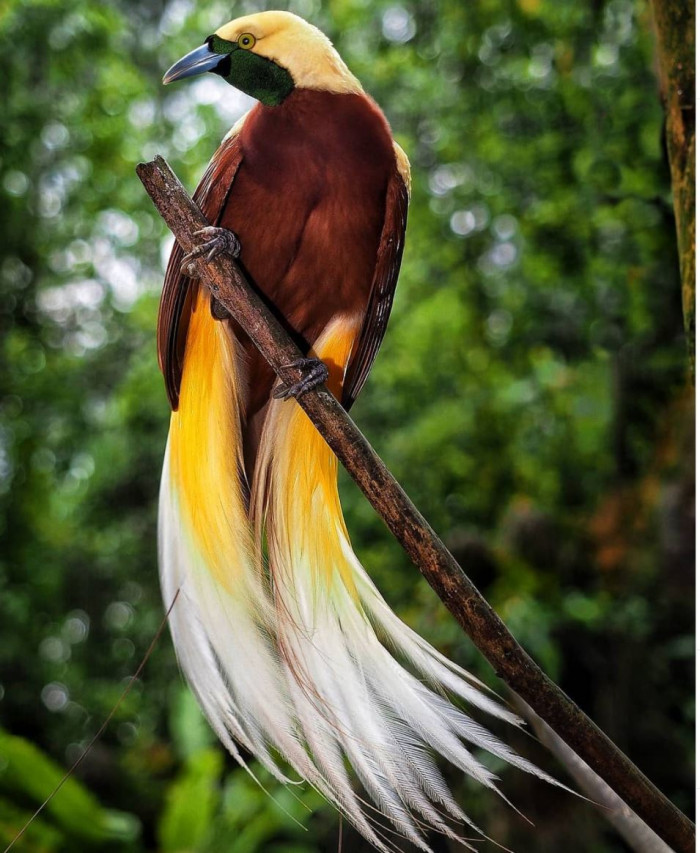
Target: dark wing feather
[(176, 298), (386, 273)]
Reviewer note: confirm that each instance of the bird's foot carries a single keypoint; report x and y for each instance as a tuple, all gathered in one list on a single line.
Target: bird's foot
[(217, 240), (314, 373)]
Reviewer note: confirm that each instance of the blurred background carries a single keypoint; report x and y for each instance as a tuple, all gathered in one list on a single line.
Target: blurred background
[(531, 396)]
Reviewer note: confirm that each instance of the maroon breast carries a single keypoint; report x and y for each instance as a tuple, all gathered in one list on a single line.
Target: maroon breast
[(308, 203)]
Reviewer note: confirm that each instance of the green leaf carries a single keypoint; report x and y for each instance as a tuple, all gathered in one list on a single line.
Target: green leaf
[(191, 732), (190, 804), (26, 770)]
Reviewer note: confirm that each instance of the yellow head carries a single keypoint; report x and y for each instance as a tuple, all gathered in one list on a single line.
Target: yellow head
[(267, 55)]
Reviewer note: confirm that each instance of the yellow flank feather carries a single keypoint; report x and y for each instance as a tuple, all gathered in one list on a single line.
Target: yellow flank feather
[(205, 447), (403, 165), (302, 511)]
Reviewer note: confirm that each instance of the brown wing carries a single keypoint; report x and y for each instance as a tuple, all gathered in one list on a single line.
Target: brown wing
[(176, 298), (386, 273)]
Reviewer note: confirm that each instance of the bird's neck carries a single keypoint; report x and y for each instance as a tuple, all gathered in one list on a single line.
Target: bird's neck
[(313, 115)]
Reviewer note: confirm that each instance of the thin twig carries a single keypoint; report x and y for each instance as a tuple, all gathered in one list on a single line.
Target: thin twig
[(460, 596)]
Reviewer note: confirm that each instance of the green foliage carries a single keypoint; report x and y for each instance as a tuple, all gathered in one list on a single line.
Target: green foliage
[(74, 813), (244, 811), (190, 803), (530, 396)]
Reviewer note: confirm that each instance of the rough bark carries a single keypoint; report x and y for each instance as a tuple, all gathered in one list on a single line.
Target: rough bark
[(674, 22), (426, 550)]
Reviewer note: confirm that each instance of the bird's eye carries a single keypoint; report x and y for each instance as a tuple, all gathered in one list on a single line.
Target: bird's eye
[(246, 41)]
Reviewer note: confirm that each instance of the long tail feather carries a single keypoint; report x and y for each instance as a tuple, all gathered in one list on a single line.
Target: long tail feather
[(222, 624), (296, 659), (330, 618)]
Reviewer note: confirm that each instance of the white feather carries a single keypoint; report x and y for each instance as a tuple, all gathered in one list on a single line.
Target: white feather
[(304, 668)]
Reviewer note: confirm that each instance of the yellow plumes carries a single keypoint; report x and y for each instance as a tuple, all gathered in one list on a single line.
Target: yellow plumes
[(298, 46), (305, 519), (205, 442), (303, 674), (403, 165)]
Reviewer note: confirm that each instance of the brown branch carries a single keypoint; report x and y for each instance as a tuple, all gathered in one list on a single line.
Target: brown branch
[(439, 567)]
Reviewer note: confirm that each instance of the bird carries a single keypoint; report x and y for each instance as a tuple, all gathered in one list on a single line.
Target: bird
[(291, 650)]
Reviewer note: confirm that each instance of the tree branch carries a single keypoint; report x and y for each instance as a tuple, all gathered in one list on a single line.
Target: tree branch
[(463, 600)]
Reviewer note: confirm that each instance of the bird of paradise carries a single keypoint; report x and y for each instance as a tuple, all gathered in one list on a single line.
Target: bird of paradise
[(288, 645)]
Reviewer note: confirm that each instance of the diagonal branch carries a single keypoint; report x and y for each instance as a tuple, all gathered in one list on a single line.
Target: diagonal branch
[(490, 635)]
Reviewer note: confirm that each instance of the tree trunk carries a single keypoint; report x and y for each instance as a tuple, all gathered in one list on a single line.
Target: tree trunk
[(674, 21)]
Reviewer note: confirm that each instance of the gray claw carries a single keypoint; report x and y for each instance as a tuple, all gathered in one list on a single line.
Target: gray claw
[(315, 373), (218, 240)]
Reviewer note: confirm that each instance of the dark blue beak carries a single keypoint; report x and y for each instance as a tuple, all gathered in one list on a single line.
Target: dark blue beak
[(197, 61)]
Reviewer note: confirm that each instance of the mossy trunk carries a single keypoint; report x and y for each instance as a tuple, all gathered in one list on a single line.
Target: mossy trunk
[(674, 21)]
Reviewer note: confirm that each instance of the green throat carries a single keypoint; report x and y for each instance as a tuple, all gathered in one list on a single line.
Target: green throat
[(255, 75)]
